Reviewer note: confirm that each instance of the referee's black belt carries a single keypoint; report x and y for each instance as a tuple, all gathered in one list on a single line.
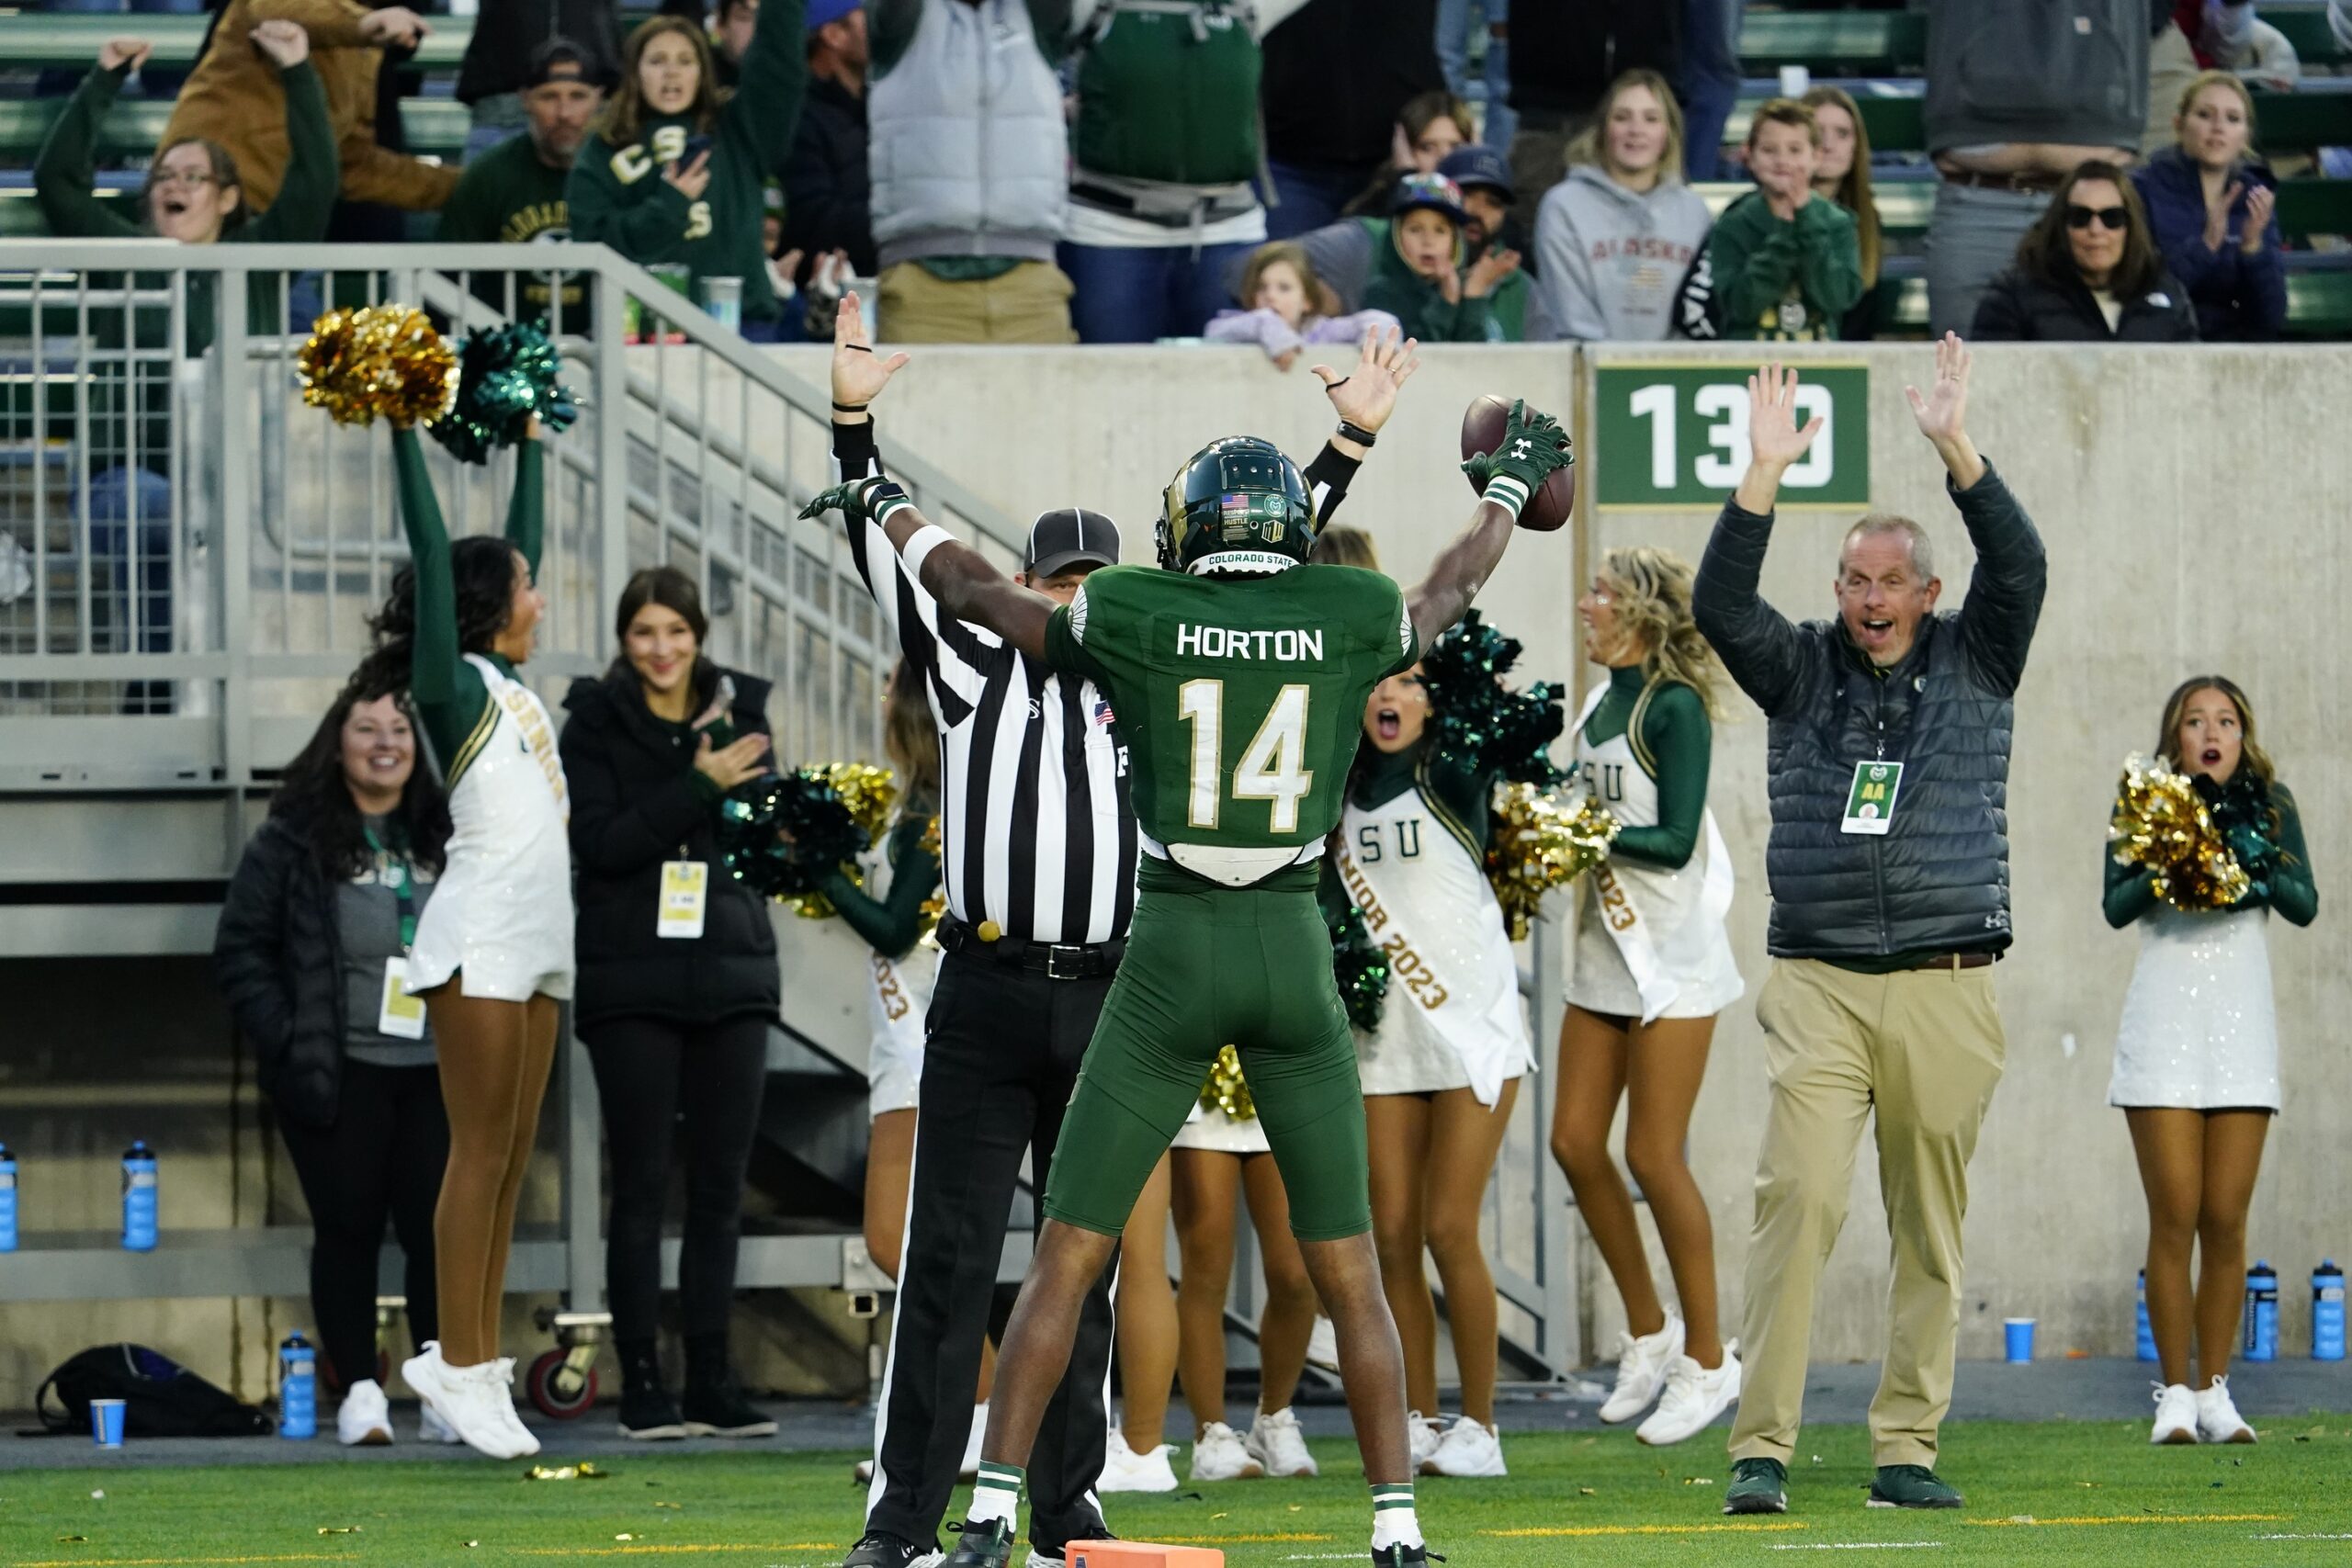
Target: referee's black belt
[(1053, 960)]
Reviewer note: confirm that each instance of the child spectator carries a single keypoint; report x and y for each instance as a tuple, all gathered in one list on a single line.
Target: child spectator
[(2210, 207), (2088, 272), (1288, 308), (1843, 176), (1429, 127), (678, 169), (1614, 238), (1786, 265), (1484, 176), (514, 193), (1414, 277)]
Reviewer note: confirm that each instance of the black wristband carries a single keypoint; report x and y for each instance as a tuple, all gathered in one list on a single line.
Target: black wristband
[(1351, 431), (851, 408)]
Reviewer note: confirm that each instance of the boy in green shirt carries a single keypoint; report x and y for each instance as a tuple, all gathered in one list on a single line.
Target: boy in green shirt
[(1787, 263)]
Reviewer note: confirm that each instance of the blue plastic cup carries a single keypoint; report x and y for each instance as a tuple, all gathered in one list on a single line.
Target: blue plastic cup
[(2020, 1335), (106, 1423)]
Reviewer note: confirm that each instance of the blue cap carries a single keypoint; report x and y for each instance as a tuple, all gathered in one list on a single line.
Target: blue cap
[(1434, 192), (823, 11), (1475, 164)]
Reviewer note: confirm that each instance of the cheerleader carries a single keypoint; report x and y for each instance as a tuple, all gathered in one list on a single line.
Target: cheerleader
[(493, 954), (1442, 1071), (2197, 1053), (1653, 966)]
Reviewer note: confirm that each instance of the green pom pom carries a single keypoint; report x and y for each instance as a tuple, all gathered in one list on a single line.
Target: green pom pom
[(1358, 967), (753, 821), (505, 375), (1479, 723)]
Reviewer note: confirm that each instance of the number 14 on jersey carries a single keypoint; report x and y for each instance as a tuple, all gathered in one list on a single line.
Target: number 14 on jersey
[(1272, 768)]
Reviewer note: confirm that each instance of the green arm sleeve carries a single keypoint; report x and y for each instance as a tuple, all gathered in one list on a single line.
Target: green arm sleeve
[(1832, 257), (63, 173), (526, 511), (891, 926), (648, 228), (2293, 892), (1680, 738), (2130, 891), (448, 695), (306, 198), (765, 109)]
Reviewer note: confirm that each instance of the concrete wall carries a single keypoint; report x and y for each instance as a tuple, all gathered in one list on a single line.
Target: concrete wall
[(2190, 500)]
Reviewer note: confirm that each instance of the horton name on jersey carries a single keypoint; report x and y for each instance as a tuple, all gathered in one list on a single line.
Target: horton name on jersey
[(1290, 645)]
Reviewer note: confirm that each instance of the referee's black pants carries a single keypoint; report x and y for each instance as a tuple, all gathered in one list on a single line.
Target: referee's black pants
[(1000, 1057)]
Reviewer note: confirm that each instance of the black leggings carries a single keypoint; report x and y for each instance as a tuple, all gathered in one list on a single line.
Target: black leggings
[(381, 1158), (657, 1078)]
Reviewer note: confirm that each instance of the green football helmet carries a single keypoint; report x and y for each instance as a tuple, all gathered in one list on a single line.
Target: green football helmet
[(1238, 505)]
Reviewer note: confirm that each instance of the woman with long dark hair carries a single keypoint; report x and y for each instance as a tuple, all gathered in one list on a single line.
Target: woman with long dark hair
[(2088, 271), (2196, 1052), (493, 956), (312, 943), (678, 985)]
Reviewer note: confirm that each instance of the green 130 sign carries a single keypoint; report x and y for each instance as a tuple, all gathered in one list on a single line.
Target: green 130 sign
[(1674, 435)]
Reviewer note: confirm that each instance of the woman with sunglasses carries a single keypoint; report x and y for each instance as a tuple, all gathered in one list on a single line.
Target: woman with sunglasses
[(2088, 272)]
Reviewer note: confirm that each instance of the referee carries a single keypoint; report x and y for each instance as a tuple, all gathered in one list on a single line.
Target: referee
[(1037, 850)]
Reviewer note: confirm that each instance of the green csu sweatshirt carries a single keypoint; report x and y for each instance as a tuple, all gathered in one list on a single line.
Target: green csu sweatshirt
[(1785, 279), (617, 195)]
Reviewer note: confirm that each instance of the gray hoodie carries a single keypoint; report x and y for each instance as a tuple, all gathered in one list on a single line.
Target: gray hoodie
[(1611, 258)]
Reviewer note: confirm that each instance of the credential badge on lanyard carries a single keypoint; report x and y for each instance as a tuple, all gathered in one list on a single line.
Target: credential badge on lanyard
[(1869, 805), (685, 896), (399, 1013)]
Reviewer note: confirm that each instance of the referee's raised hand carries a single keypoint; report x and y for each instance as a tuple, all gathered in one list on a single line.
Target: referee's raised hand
[(859, 374)]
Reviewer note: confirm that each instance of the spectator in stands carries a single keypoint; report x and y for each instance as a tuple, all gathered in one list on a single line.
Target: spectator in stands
[(2211, 206), (1456, 19), (514, 193), (1289, 307), (504, 51), (1417, 274), (2019, 92), (1489, 228), (731, 29), (2088, 272), (1563, 59), (1614, 238), (971, 165), (1843, 176), (312, 943), (1427, 129), (827, 192), (1164, 149), (677, 169), (234, 97), (678, 984), (1785, 263), (1338, 75), (1710, 81)]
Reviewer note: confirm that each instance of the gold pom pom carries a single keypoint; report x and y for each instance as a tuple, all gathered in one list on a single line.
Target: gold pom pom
[(1225, 1090), (381, 361), (1540, 842), (2161, 824)]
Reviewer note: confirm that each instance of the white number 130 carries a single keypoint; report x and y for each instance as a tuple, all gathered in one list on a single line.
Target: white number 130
[(1723, 405), (1272, 767)]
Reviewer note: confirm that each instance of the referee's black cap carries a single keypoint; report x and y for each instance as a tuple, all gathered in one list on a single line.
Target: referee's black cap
[(1068, 537)]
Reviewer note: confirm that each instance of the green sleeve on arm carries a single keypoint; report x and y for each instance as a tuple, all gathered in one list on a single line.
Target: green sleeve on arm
[(645, 228), (2293, 892), (1681, 740), (448, 692), (62, 174), (2130, 891), (526, 511), (1832, 257), (892, 25), (305, 199), (765, 109), (891, 926)]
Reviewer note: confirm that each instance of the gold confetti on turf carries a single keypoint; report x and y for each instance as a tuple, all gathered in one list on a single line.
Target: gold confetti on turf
[(584, 1471), (338, 1530)]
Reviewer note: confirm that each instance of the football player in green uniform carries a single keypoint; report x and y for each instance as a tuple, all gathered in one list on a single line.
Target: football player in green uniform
[(1238, 675)]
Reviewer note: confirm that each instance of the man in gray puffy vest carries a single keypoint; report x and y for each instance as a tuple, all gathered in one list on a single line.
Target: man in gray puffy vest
[(1889, 863)]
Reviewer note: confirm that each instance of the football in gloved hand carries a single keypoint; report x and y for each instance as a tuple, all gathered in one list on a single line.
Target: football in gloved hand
[(1482, 432)]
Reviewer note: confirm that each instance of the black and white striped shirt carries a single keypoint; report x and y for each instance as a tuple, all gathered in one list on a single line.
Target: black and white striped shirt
[(1035, 832)]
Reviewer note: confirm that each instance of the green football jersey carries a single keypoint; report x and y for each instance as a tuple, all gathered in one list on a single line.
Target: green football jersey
[(1240, 699)]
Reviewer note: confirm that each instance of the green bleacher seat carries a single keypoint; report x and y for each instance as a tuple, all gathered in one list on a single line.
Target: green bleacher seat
[(71, 38), (2314, 207), (131, 129), (2306, 28), (1833, 43)]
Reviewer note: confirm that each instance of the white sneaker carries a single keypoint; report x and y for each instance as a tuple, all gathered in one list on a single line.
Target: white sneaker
[(1467, 1448), (862, 1472), (1219, 1454), (1323, 1345), (1124, 1470), (466, 1398), (365, 1420), (2218, 1420), (970, 1468), (431, 1428), (1276, 1442), (1641, 1371), (2176, 1414), (501, 1378), (1425, 1435), (1694, 1396)]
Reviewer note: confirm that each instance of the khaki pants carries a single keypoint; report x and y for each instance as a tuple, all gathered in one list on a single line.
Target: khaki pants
[(1923, 1049), (1029, 304)]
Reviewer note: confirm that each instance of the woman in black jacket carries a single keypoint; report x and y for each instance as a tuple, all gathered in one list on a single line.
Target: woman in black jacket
[(677, 985), (2087, 271), (309, 954)]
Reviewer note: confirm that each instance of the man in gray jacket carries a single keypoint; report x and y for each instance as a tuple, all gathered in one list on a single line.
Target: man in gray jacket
[(1889, 865)]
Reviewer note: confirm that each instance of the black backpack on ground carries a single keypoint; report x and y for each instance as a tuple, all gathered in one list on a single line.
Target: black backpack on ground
[(160, 1397)]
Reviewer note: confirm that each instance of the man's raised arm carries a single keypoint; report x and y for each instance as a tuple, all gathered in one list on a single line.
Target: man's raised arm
[(1532, 449), (1759, 647)]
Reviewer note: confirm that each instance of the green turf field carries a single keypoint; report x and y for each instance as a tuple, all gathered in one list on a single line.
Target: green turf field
[(2050, 1492)]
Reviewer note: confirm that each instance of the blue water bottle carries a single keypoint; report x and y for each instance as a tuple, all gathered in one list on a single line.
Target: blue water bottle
[(298, 1388), (138, 1196), (2261, 1313), (8, 1208), (2146, 1336), (2327, 1304)]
